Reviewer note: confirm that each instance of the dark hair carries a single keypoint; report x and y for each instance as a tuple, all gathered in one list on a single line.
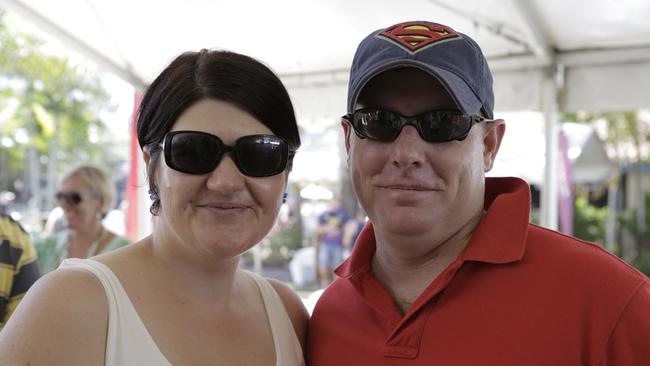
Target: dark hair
[(210, 74)]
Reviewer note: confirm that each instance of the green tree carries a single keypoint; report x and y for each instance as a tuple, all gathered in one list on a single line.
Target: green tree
[(624, 130), (589, 222), (52, 101)]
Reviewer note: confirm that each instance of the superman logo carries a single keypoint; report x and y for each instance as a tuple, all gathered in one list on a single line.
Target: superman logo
[(413, 36)]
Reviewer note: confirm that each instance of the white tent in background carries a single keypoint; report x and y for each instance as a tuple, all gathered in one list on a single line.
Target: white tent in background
[(546, 55), (522, 152), (591, 165)]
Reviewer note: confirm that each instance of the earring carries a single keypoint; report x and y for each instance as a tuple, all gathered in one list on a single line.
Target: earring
[(284, 198), (153, 195)]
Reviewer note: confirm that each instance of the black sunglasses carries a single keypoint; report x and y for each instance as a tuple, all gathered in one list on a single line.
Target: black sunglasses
[(70, 198), (433, 126), (195, 152)]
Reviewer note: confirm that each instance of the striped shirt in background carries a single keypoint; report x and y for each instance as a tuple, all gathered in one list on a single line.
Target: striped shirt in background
[(18, 266)]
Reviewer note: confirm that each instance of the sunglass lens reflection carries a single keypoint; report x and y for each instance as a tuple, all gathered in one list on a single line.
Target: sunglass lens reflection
[(71, 198), (194, 153), (260, 156), (433, 126)]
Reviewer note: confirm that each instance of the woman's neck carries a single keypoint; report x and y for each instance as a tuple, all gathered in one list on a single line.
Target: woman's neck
[(207, 279)]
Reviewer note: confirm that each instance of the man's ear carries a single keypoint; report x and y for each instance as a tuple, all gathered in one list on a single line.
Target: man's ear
[(492, 136), (347, 129)]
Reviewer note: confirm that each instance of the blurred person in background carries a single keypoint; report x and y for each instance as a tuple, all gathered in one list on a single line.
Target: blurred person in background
[(351, 231), (18, 266), (329, 240), (218, 135), (86, 194)]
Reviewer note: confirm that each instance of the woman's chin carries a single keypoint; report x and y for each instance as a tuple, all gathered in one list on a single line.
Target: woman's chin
[(225, 249)]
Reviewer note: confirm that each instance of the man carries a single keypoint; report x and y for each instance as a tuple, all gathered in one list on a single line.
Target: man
[(18, 266), (329, 240), (448, 271)]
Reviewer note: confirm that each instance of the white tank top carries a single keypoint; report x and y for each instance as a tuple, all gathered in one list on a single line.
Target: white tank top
[(129, 343)]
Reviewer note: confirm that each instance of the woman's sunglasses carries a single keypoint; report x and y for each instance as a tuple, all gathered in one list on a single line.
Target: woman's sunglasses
[(70, 198), (195, 152), (433, 126)]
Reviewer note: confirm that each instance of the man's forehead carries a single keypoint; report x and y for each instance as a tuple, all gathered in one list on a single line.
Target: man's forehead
[(408, 82)]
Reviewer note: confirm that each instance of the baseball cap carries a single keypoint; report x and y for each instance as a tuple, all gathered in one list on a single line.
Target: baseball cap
[(452, 57)]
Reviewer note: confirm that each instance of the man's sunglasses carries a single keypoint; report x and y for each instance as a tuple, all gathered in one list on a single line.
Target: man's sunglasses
[(433, 126), (195, 152), (70, 198)]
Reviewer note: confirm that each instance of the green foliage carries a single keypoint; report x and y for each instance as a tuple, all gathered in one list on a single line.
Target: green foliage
[(589, 222), (281, 245), (623, 130), (630, 223), (49, 98), (642, 261)]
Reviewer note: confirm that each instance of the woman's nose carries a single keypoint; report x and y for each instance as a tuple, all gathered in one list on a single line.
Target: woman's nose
[(226, 176)]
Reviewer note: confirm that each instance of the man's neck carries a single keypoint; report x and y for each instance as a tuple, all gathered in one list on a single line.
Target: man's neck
[(406, 274)]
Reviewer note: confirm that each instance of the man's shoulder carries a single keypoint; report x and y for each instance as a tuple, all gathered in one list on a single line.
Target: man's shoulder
[(572, 254), (331, 296)]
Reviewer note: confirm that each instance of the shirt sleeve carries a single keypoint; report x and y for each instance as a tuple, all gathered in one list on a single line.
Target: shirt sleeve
[(629, 343), (24, 270)]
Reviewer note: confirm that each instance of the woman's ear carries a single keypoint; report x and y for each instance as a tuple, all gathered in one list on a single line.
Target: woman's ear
[(146, 155)]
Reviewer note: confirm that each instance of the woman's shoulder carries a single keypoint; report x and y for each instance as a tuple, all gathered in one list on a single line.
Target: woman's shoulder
[(294, 306), (71, 287), (64, 309)]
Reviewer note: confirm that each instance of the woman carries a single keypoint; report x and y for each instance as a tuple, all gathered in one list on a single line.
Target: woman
[(218, 134), (86, 194)]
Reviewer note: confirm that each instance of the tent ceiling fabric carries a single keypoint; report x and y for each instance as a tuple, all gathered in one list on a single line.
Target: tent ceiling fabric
[(546, 55), (311, 43)]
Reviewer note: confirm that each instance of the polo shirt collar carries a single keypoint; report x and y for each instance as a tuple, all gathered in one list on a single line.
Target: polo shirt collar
[(499, 238)]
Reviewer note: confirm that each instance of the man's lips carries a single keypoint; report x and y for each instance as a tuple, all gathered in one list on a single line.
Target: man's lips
[(407, 187), (223, 205)]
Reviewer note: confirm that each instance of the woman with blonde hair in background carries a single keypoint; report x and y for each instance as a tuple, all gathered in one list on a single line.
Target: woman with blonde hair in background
[(86, 194)]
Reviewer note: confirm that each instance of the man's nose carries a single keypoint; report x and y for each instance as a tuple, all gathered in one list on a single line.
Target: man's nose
[(408, 148)]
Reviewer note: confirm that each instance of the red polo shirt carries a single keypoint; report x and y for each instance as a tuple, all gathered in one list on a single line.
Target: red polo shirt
[(518, 294)]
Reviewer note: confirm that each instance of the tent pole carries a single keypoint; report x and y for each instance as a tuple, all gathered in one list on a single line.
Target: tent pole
[(612, 203), (549, 199)]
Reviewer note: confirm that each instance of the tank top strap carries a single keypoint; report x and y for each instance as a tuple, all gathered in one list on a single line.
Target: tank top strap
[(287, 346), (127, 340)]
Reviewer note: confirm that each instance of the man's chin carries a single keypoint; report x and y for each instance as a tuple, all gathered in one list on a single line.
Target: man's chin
[(405, 226)]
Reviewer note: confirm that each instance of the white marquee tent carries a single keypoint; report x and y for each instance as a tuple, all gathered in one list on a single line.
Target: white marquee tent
[(546, 55)]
